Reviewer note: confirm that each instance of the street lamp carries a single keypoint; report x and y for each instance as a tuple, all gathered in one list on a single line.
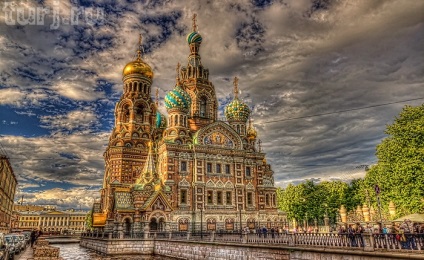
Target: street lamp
[(201, 223), (240, 206)]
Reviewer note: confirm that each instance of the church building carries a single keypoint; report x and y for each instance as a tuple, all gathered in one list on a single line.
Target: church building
[(188, 170)]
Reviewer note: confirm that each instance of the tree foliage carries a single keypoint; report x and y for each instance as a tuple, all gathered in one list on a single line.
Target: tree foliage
[(399, 171), (312, 201), (89, 220), (399, 174)]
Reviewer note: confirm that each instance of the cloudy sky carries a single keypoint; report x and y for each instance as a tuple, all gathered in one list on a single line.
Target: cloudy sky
[(300, 62)]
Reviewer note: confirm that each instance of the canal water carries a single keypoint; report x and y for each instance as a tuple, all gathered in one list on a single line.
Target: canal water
[(74, 252)]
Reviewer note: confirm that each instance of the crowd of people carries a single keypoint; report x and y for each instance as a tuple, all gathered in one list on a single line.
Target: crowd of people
[(402, 232), (399, 232)]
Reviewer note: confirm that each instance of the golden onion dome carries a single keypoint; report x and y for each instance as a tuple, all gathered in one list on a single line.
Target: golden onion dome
[(138, 67)]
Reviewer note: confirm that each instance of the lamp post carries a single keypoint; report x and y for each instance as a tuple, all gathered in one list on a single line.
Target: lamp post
[(240, 219), (201, 223)]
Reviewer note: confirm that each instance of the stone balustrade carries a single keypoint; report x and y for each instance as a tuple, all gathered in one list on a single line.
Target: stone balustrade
[(364, 242)]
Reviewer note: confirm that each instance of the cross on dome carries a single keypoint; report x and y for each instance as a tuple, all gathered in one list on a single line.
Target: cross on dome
[(157, 97), (194, 22), (140, 48), (235, 82), (178, 72)]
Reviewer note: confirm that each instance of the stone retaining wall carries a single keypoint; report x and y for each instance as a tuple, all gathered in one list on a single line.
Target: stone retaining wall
[(193, 250), (119, 247)]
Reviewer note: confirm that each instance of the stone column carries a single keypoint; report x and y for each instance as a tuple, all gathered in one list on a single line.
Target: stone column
[(369, 241), (146, 231), (120, 229), (343, 214), (137, 222)]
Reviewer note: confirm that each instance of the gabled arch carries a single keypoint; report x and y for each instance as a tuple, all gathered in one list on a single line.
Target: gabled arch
[(210, 184), (229, 185), (224, 130), (219, 184)]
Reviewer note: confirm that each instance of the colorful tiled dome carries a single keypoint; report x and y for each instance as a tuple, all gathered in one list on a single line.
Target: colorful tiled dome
[(177, 99), (237, 111), (160, 120), (194, 37)]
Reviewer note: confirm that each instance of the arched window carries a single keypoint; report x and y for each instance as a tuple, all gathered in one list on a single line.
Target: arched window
[(267, 199), (176, 120), (181, 120), (238, 129), (203, 107), (185, 121)]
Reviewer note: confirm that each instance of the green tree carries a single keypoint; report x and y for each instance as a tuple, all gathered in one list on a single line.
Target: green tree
[(89, 220), (399, 170)]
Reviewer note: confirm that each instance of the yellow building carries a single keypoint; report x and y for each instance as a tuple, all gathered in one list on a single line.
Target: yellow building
[(8, 184), (189, 168), (52, 221)]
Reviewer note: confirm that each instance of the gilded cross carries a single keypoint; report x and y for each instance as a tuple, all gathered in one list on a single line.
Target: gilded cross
[(235, 87), (178, 72), (139, 47), (157, 97), (194, 22), (259, 145)]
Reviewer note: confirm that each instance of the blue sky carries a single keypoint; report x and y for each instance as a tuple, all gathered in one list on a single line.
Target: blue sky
[(294, 58)]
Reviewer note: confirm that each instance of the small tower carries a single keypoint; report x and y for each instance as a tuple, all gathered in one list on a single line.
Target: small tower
[(251, 134), (177, 103), (237, 112), (195, 79)]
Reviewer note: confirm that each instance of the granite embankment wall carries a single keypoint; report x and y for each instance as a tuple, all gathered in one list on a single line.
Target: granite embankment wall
[(227, 251)]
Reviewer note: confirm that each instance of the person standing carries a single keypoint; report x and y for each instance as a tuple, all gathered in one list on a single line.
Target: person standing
[(33, 237)]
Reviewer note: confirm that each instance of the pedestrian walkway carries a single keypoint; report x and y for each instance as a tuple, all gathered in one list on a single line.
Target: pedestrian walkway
[(26, 255)]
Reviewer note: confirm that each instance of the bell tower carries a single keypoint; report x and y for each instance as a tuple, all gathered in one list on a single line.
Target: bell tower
[(195, 79), (135, 119)]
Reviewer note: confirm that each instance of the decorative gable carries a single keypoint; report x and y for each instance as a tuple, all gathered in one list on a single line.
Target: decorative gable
[(219, 134)]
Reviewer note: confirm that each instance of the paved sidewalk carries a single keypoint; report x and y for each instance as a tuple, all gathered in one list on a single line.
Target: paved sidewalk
[(27, 254)]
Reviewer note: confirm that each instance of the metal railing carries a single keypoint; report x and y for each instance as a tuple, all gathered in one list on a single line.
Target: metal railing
[(386, 242)]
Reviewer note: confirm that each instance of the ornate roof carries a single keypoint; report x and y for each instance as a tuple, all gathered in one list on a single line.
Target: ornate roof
[(177, 98), (138, 66), (194, 36), (237, 110)]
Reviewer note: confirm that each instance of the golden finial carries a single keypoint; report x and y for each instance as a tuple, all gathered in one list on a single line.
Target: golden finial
[(139, 51), (194, 22), (157, 97), (235, 82), (178, 72)]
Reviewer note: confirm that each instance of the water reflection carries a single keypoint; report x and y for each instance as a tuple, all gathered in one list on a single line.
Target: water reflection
[(75, 252)]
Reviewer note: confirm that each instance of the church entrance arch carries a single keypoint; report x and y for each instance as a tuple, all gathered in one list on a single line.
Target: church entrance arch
[(127, 225), (153, 225)]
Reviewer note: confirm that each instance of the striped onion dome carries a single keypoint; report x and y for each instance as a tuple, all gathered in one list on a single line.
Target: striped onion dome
[(177, 99), (194, 37)]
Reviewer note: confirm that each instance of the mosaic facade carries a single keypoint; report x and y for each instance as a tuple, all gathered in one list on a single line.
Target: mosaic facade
[(174, 172)]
